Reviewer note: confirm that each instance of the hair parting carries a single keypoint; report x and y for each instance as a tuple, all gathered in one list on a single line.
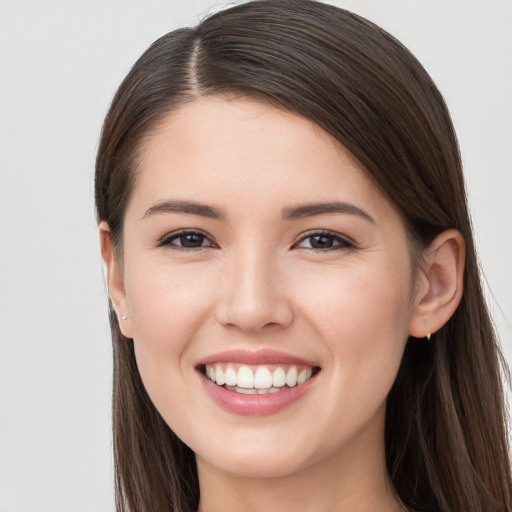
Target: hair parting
[(446, 442)]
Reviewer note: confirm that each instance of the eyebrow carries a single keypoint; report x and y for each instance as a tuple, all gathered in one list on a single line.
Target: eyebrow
[(188, 207), (310, 210), (297, 212)]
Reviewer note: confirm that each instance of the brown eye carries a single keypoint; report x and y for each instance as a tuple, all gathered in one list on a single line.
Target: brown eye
[(321, 241), (191, 241), (324, 241), (186, 240)]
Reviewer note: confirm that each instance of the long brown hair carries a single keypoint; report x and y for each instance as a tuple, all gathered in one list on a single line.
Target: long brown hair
[(446, 443)]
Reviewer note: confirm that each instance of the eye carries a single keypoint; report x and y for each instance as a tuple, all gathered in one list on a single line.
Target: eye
[(324, 241), (186, 240)]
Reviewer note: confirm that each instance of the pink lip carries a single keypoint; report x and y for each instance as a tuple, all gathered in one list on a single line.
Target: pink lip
[(255, 405), (266, 356)]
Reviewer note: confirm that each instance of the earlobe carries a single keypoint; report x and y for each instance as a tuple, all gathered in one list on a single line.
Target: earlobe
[(440, 290), (115, 281)]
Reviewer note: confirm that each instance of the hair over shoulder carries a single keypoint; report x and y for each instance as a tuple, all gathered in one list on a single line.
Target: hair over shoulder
[(446, 433)]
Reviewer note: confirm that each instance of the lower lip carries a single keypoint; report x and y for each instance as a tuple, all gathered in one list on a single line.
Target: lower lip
[(255, 405)]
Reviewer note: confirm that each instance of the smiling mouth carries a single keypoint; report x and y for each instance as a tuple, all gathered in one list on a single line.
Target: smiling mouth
[(258, 379)]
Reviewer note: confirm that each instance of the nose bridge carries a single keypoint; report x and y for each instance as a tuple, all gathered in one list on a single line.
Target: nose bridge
[(253, 297)]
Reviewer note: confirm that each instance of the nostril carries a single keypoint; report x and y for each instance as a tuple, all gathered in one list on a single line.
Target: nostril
[(255, 319), (251, 299)]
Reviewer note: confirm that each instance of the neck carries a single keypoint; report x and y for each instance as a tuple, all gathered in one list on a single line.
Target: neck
[(354, 479)]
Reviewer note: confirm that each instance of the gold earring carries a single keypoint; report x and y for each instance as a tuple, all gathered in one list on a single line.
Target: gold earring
[(428, 336), (125, 317)]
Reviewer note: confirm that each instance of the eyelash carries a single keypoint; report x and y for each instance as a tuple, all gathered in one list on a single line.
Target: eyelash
[(167, 240), (341, 242)]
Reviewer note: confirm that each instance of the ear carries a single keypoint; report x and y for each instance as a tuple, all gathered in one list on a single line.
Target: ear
[(440, 284), (115, 282)]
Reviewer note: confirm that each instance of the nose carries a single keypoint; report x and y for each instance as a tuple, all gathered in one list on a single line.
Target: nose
[(253, 296)]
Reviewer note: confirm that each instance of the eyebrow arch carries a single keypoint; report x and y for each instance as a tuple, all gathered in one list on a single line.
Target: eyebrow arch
[(310, 210), (187, 207)]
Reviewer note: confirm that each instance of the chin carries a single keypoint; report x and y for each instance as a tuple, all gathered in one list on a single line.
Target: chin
[(259, 455), (259, 465)]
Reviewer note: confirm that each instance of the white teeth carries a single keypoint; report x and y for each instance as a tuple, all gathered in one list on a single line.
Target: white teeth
[(246, 391), (245, 377), (220, 377), (278, 378), (263, 378), (254, 391), (291, 377), (301, 377), (261, 381), (230, 376)]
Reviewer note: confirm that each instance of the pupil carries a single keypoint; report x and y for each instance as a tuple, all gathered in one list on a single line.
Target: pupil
[(321, 241), (192, 240)]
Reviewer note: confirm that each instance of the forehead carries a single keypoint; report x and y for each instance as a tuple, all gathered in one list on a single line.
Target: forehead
[(244, 152)]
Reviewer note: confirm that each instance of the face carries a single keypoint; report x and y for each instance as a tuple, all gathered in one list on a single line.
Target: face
[(259, 254)]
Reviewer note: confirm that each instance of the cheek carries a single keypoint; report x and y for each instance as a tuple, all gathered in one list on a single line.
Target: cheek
[(363, 324), (160, 294), (167, 306), (360, 301), (362, 316)]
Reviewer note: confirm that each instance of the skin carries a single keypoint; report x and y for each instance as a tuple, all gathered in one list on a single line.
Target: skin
[(256, 282)]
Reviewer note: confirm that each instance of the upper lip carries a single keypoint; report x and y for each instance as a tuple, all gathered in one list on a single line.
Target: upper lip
[(258, 357)]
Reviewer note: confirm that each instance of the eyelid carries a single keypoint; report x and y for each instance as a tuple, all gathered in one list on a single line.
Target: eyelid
[(166, 240), (345, 242)]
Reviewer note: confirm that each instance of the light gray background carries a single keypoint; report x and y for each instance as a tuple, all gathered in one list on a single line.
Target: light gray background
[(60, 62)]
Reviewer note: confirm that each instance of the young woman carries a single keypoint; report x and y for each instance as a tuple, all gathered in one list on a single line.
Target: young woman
[(296, 312)]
